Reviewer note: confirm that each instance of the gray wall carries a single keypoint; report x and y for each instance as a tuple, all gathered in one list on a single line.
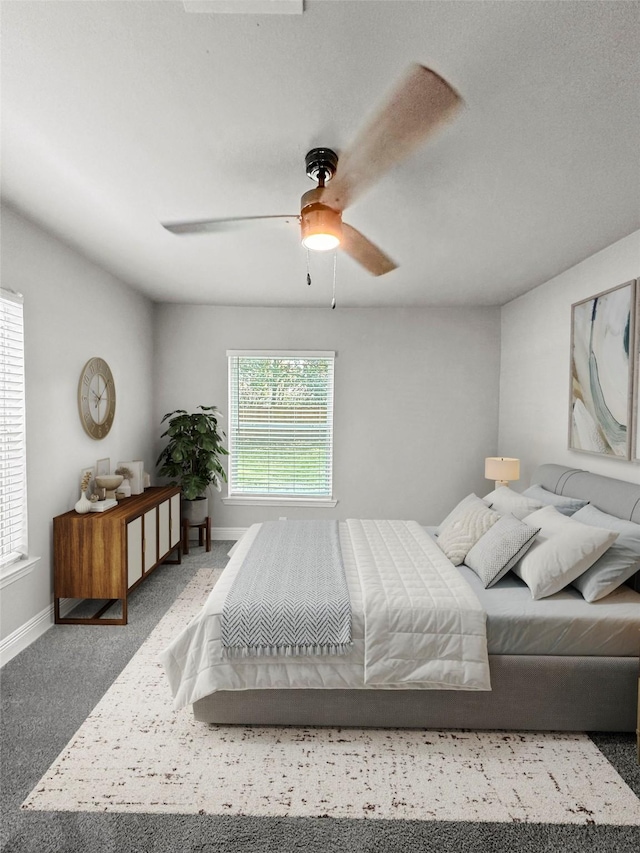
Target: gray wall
[(416, 397), (72, 311), (534, 384)]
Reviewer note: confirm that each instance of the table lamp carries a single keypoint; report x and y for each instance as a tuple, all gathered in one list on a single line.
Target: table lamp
[(502, 469)]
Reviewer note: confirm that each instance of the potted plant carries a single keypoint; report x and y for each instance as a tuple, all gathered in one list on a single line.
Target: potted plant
[(191, 457)]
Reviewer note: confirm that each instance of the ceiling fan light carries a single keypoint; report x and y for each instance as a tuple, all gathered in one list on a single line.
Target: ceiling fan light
[(320, 242), (321, 227)]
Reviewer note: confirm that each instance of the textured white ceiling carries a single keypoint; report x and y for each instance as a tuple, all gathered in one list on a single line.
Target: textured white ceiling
[(119, 115)]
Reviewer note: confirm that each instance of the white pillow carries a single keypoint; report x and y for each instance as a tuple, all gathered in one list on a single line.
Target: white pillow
[(465, 505), (505, 501), (460, 535), (621, 560), (563, 550)]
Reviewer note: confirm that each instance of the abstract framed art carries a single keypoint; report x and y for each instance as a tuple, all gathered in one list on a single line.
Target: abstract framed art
[(602, 372), (635, 448)]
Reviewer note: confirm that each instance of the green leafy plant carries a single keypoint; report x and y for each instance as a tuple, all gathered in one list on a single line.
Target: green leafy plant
[(191, 457)]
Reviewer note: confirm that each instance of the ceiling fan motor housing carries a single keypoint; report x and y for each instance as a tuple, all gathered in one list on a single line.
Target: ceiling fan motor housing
[(321, 164)]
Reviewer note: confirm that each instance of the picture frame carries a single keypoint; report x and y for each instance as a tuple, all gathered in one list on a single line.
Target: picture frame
[(103, 466), (635, 455), (602, 373)]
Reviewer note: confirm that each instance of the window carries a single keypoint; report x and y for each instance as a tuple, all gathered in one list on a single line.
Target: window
[(281, 424), (13, 476)]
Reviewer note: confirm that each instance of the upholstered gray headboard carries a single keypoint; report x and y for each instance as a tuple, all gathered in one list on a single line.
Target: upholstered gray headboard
[(615, 497)]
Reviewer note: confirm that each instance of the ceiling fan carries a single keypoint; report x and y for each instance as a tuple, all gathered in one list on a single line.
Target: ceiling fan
[(422, 101)]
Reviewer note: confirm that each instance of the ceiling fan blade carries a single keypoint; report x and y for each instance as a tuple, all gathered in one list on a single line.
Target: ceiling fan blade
[(229, 224), (365, 252), (421, 102)]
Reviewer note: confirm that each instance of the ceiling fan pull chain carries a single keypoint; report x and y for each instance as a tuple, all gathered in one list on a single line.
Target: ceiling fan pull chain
[(335, 262), (308, 273)]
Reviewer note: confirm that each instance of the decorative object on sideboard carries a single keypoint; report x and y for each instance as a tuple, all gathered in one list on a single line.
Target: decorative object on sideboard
[(103, 466), (109, 482), (502, 469), (136, 480), (124, 490), (96, 398), (139, 477), (602, 335), (89, 473), (191, 458), (103, 505), (84, 504)]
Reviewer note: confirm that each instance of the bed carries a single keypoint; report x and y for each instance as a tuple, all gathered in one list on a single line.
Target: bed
[(559, 663)]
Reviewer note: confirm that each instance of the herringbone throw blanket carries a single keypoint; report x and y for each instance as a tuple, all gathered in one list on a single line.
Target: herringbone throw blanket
[(290, 595)]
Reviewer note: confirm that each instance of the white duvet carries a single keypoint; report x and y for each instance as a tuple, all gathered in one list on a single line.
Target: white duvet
[(417, 624)]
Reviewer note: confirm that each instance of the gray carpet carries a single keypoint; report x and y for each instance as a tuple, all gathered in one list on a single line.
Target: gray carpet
[(51, 687)]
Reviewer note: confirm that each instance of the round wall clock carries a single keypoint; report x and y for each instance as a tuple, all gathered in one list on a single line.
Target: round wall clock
[(96, 398)]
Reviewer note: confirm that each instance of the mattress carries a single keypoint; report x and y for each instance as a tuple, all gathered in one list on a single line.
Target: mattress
[(563, 624)]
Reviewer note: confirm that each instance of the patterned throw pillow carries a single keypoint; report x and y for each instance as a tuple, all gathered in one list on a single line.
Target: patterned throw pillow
[(460, 509), (460, 535), (500, 548)]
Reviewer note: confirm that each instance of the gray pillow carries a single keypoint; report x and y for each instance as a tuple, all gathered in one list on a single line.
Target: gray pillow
[(500, 548), (470, 502), (616, 565), (507, 502), (564, 504)]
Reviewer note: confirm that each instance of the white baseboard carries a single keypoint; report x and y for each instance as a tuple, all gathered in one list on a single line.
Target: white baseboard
[(26, 634), (223, 533), (227, 532)]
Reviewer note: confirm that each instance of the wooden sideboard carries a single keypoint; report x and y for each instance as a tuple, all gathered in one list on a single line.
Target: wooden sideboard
[(104, 555)]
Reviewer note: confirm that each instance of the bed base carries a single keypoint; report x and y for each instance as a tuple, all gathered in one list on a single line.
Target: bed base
[(536, 693)]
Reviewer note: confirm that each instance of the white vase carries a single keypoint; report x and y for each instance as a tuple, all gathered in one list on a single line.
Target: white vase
[(83, 505), (125, 488)]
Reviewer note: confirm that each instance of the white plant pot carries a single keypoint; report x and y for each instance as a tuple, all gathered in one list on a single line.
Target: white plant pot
[(195, 511)]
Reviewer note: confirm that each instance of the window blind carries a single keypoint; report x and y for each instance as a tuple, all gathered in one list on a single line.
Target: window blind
[(13, 477), (281, 423)]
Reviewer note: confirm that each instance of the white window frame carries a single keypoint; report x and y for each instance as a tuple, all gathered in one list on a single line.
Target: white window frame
[(243, 498), (15, 562)]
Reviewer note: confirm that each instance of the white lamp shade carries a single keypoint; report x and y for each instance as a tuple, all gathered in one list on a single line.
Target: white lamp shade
[(501, 468)]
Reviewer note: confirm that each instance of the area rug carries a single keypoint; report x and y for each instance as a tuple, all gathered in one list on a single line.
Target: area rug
[(134, 753)]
